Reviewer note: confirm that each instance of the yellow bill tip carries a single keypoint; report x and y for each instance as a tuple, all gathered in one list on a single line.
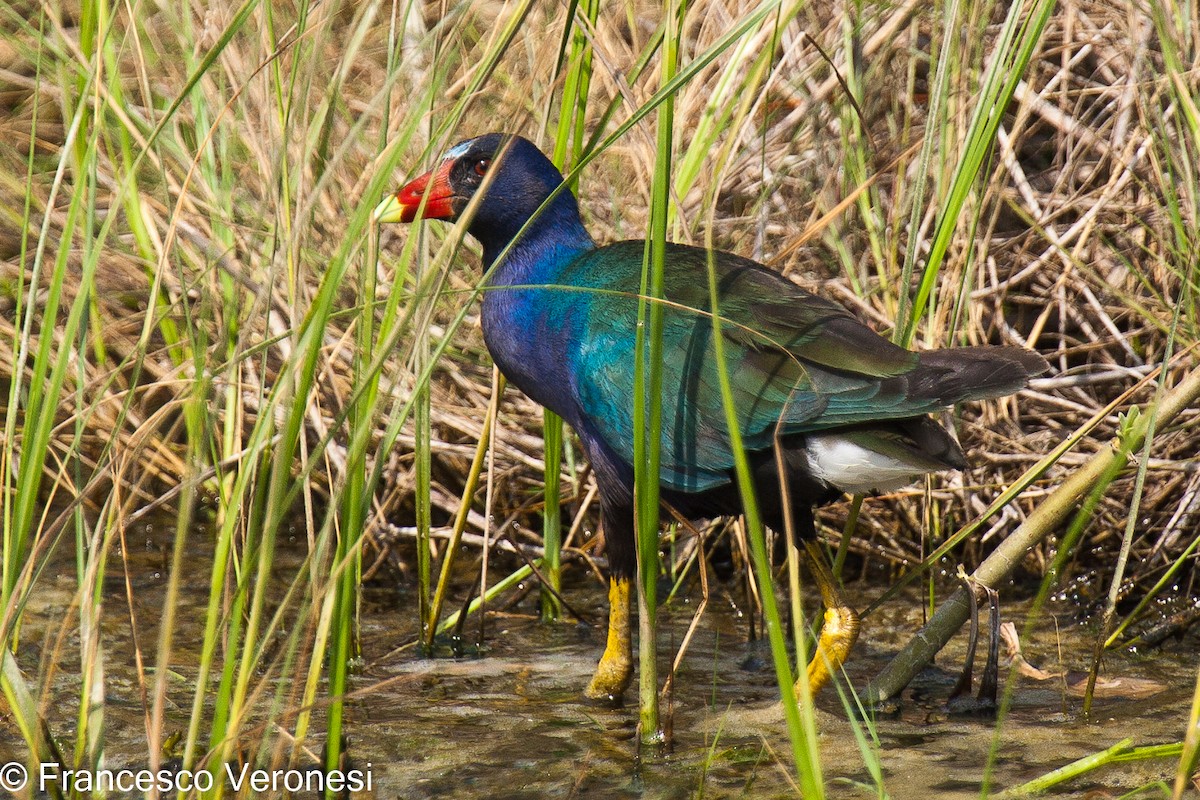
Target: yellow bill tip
[(390, 210)]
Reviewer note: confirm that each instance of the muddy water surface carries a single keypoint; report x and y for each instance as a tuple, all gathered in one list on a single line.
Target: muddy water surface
[(511, 722)]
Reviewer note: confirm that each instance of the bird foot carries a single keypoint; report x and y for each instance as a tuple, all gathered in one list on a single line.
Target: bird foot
[(615, 670), (609, 683)]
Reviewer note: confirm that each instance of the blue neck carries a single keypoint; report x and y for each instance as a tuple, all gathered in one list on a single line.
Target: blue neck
[(530, 331), (546, 245)]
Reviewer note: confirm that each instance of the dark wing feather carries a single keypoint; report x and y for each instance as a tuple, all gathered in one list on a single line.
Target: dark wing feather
[(797, 362)]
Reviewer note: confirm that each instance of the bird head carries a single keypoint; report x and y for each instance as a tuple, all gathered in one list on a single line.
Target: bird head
[(511, 176)]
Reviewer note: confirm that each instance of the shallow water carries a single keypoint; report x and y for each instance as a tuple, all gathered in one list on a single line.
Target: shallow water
[(513, 723)]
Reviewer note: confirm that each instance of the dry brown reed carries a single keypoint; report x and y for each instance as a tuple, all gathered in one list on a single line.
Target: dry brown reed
[(1077, 251)]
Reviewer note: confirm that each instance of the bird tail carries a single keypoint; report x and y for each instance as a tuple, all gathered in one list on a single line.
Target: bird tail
[(960, 374)]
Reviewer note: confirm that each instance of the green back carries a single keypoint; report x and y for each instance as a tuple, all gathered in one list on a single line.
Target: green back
[(795, 360)]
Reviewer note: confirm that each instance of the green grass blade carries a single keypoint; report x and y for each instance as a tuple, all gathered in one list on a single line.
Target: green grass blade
[(1018, 41)]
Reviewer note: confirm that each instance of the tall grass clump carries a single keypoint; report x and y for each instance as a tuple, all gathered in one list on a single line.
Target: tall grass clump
[(223, 389)]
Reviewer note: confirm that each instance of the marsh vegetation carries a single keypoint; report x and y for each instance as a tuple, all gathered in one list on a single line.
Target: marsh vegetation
[(241, 423)]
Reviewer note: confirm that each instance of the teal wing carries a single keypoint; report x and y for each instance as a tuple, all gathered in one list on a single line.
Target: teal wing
[(796, 362)]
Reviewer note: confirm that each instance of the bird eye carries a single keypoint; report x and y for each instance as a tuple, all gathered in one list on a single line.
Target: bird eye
[(481, 166)]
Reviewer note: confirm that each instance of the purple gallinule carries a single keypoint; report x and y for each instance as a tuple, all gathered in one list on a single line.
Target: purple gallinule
[(848, 409)]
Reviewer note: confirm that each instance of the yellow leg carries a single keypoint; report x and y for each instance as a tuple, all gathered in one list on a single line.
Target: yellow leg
[(615, 670), (840, 628)]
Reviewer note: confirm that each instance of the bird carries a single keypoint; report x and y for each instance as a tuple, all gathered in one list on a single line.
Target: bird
[(825, 405)]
